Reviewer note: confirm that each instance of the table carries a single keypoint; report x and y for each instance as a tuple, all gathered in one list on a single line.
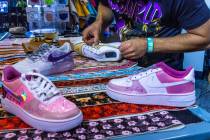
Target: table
[(96, 106)]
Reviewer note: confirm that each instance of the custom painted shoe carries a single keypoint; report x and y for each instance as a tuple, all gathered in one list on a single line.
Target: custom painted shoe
[(102, 52), (159, 85), (48, 60), (36, 100)]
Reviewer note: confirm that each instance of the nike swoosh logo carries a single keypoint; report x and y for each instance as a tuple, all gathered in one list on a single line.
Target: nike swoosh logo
[(165, 85), (51, 58), (19, 99)]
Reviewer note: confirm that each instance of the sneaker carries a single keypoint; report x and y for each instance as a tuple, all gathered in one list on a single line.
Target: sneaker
[(36, 100), (102, 52), (48, 60), (159, 85)]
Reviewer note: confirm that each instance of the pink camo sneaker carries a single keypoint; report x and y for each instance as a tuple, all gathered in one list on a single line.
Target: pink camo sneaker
[(36, 100), (159, 85)]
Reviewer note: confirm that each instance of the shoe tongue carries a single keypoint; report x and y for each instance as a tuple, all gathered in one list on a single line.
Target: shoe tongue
[(29, 77)]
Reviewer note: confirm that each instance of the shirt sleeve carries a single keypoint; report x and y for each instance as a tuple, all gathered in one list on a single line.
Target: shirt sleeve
[(192, 13)]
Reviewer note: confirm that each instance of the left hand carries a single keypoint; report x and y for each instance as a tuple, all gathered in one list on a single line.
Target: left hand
[(134, 48)]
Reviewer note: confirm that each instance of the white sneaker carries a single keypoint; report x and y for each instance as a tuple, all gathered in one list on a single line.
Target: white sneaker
[(47, 60), (102, 52)]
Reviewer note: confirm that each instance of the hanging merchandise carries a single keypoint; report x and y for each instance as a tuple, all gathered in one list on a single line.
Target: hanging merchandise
[(34, 2), (62, 2), (49, 14), (93, 3), (63, 14), (91, 9), (33, 17), (81, 8), (48, 11), (72, 27), (49, 2), (82, 12), (32, 14), (3, 6)]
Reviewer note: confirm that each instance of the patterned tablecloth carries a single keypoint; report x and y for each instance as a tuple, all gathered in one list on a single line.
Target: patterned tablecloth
[(85, 85)]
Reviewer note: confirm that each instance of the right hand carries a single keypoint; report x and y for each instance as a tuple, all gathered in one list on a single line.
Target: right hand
[(91, 34)]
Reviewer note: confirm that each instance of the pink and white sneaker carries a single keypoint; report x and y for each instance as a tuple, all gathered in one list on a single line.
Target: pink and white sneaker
[(159, 85), (36, 100)]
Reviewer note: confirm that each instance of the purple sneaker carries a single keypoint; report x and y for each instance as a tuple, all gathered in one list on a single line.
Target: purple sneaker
[(48, 60), (159, 85)]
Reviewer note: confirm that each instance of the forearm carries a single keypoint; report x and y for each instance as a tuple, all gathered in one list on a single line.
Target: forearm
[(194, 40), (181, 43), (105, 16)]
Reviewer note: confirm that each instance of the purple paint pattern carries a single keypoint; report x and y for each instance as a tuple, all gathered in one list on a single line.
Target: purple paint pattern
[(138, 11)]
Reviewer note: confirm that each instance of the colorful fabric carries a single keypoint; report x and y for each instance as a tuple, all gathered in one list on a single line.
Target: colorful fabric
[(118, 109), (82, 82), (91, 9), (83, 89), (101, 74), (94, 99), (81, 8), (85, 86), (105, 128)]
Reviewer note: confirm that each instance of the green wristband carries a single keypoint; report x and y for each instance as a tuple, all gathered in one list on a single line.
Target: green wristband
[(150, 45)]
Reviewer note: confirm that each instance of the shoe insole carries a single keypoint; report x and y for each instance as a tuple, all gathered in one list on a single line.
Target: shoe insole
[(110, 55)]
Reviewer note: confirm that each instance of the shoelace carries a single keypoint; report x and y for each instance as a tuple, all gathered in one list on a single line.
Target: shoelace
[(43, 88), (43, 50), (143, 73)]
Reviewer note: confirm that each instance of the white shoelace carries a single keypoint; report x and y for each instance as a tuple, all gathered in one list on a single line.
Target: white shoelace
[(144, 74), (42, 87), (42, 51)]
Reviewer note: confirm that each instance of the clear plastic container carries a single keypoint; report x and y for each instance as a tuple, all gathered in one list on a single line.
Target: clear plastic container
[(47, 16)]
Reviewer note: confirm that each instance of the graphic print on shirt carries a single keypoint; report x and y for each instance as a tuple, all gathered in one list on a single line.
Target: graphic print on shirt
[(137, 18)]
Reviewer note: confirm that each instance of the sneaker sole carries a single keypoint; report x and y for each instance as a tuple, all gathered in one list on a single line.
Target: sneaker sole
[(60, 68), (45, 125), (56, 69), (155, 99)]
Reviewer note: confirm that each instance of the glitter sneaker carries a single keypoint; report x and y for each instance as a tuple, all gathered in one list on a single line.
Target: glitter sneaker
[(36, 100), (48, 60), (159, 85)]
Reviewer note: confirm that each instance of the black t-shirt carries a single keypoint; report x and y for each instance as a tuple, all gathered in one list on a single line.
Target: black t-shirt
[(157, 18)]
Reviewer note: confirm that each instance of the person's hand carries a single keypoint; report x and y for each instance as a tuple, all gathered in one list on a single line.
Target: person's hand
[(134, 48), (91, 34)]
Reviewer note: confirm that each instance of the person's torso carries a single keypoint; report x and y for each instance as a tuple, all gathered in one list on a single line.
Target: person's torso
[(145, 18)]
